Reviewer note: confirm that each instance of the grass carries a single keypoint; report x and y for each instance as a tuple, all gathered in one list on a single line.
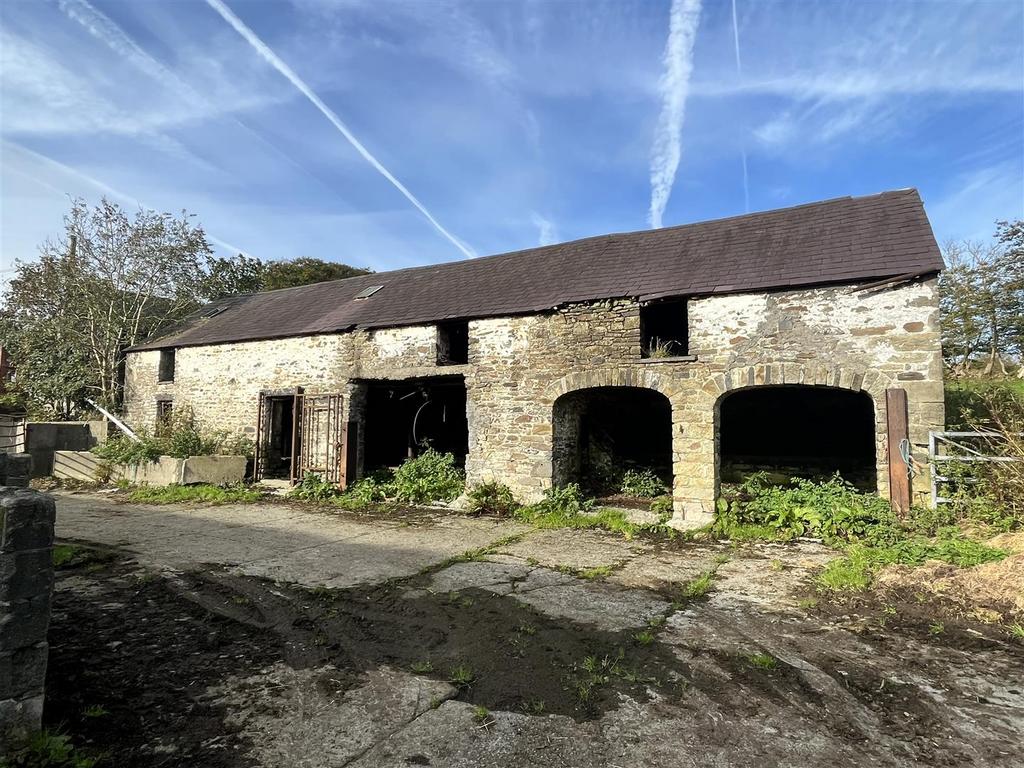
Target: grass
[(482, 716), (422, 667), (205, 494), (763, 661), (94, 710), (699, 586), (64, 554), (644, 637), (1016, 631), (461, 677)]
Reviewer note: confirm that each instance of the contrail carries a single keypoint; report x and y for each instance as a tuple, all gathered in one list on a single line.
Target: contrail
[(666, 151), (104, 188), (275, 61), (739, 73)]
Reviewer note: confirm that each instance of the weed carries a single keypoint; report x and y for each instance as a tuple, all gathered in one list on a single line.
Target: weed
[(203, 494), (568, 508), (937, 628), (526, 629), (435, 702), (461, 677), (721, 559), (642, 484), (313, 487), (240, 600), (431, 476), (762, 660), (45, 749), (776, 565), (662, 506), (64, 554), (482, 716), (656, 621), (699, 586), (94, 710), (644, 637), (422, 667), (597, 572), (1016, 630), (808, 603), (492, 498)]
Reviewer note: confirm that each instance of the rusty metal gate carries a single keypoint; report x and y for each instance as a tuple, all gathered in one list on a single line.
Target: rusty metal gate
[(322, 438)]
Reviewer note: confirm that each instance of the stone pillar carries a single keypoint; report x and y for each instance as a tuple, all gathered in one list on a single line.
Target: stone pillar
[(694, 458), (26, 587)]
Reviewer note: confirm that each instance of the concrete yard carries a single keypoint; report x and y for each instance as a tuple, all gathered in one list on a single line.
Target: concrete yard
[(279, 635)]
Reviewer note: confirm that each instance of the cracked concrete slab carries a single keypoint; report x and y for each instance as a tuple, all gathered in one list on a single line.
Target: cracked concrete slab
[(556, 594)]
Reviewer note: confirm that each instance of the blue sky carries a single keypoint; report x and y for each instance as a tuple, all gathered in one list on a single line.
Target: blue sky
[(390, 134)]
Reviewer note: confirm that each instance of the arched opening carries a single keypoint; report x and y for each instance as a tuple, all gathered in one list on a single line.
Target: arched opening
[(601, 432), (797, 431)]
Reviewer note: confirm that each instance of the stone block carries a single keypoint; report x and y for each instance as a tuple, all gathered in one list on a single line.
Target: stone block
[(24, 575), (24, 622), (19, 718), (23, 671), (26, 520), (216, 470)]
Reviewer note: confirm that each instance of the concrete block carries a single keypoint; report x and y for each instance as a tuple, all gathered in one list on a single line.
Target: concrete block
[(216, 470), (166, 470), (77, 465)]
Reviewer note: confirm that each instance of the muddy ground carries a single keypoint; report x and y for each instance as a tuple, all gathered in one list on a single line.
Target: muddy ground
[(512, 658)]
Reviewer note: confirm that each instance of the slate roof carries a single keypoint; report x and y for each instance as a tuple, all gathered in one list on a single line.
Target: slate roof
[(835, 241)]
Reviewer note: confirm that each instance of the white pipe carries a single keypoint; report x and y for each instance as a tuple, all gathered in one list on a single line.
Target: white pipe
[(117, 422)]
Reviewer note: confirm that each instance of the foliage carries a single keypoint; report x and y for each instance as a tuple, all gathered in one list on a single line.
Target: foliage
[(981, 294), (699, 586), (107, 282), (46, 750), (313, 487), (181, 436), (492, 498), (642, 484), (247, 274), (969, 401), (431, 476), (660, 348), (205, 494)]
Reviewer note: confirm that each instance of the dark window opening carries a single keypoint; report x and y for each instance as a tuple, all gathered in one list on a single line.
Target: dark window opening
[(166, 371), (600, 433), (164, 414), (404, 418), (663, 329), (798, 431), (453, 343), (279, 436)]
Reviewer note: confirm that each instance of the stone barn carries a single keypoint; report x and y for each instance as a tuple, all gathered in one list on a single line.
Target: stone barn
[(802, 340)]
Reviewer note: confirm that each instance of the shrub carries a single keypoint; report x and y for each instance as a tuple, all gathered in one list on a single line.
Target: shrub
[(562, 502), (45, 750), (431, 476), (642, 484), (121, 449), (312, 487), (492, 498), (372, 489)]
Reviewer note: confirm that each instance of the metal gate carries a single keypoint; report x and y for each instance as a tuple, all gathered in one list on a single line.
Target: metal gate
[(967, 448), (322, 439)]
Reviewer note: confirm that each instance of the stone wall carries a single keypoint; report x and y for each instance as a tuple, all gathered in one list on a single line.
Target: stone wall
[(518, 366), (26, 586)]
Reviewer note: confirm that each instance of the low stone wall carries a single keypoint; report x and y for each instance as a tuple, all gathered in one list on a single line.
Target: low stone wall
[(26, 587), (166, 470)]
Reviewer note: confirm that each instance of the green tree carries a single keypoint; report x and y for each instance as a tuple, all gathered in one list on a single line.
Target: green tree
[(106, 283), (305, 270)]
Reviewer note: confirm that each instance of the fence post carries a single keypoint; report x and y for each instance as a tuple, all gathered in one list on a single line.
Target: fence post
[(898, 430)]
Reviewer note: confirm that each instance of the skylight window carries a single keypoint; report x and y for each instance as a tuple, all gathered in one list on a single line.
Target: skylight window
[(368, 291)]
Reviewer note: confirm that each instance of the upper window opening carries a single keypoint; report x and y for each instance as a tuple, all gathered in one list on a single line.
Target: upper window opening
[(166, 372), (664, 329), (453, 343), (368, 291)]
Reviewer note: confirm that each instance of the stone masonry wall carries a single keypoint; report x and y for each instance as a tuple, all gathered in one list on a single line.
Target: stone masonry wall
[(518, 366), (26, 586)]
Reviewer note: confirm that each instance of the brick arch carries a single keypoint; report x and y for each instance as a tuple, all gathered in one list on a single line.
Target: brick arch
[(612, 377)]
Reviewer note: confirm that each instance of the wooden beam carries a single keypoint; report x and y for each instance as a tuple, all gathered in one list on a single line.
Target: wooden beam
[(897, 431)]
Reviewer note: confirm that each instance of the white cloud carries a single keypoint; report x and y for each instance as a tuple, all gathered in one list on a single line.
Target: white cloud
[(666, 152), (546, 231)]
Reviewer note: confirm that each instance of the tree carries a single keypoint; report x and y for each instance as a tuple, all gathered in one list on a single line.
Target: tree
[(232, 276), (305, 270), (982, 301), (106, 283)]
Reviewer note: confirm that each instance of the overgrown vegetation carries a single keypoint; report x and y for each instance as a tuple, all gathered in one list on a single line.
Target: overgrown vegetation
[(179, 436), (492, 498), (46, 749), (863, 525), (642, 483), (568, 507), (204, 494), (427, 478)]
